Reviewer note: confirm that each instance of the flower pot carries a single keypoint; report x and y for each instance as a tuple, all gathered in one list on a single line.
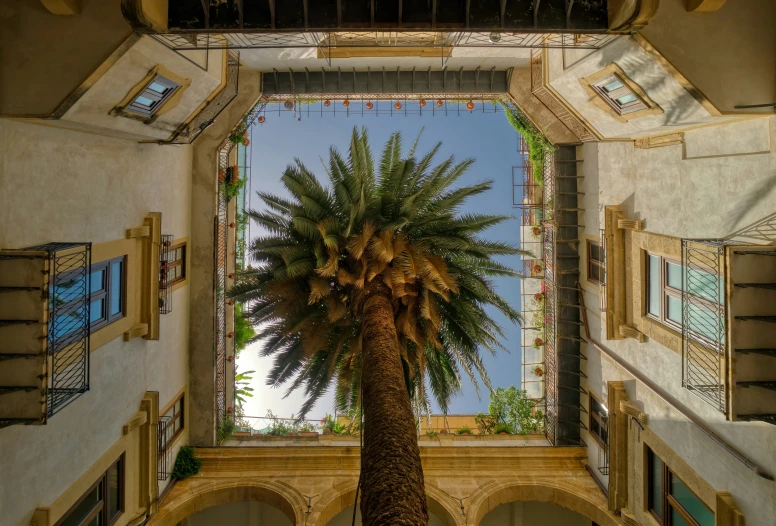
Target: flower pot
[(503, 433), (309, 433), (539, 372), (536, 231), (539, 296), (241, 433), (538, 342)]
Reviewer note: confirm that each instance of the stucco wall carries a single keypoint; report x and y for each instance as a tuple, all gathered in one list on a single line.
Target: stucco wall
[(533, 513), (45, 57), (730, 54), (60, 185), (345, 518), (702, 197), (93, 108), (248, 513), (680, 109)]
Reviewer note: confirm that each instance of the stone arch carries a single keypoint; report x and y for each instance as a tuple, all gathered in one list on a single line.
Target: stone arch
[(195, 497), (342, 495), (579, 498)]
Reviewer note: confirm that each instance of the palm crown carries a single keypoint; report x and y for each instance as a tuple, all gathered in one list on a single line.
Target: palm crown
[(396, 226)]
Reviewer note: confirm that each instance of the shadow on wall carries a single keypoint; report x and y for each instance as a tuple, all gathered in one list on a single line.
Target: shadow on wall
[(765, 228)]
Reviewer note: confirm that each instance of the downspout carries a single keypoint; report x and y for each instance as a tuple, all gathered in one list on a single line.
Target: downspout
[(670, 400)]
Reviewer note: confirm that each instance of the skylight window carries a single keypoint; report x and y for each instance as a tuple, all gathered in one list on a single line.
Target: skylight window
[(153, 96)]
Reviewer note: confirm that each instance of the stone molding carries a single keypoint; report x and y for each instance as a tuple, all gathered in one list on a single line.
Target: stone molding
[(140, 418), (628, 518), (656, 141), (703, 6), (65, 7), (626, 331), (634, 412), (630, 15), (618, 447), (630, 224), (539, 89)]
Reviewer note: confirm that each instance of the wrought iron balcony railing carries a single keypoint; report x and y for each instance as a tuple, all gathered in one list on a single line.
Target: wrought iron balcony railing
[(165, 287), (58, 274), (163, 450)]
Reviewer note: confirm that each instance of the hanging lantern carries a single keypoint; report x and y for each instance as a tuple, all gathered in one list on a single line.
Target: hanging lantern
[(346, 103), (397, 105), (327, 103), (262, 118), (422, 102), (440, 103), (288, 104), (369, 105), (470, 105)]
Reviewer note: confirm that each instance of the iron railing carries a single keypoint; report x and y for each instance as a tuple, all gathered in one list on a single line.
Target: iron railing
[(220, 235), (163, 450), (165, 289), (603, 459), (187, 133), (602, 285), (704, 328)]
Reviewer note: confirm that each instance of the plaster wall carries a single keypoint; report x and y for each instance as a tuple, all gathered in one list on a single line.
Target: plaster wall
[(94, 106), (345, 518), (701, 197), (247, 513), (728, 54), (533, 513), (83, 187), (53, 54), (679, 107)]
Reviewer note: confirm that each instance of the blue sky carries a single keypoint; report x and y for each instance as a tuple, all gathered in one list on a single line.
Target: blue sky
[(487, 137)]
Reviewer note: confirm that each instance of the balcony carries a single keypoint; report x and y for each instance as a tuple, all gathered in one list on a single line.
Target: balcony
[(44, 330), (729, 327)]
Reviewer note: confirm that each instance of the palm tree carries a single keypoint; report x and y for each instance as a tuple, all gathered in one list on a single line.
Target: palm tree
[(378, 285)]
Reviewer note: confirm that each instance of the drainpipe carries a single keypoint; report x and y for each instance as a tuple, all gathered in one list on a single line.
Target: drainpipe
[(689, 415)]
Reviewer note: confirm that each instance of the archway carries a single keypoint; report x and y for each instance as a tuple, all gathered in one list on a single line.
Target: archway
[(336, 505), (583, 498), (523, 513), (191, 497)]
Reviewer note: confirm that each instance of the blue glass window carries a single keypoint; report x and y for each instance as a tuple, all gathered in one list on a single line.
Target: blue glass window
[(153, 96)]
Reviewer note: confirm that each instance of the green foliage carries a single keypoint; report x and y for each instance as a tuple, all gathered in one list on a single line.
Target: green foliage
[(432, 433), (463, 429), (512, 408), (330, 423), (485, 423), (538, 144), (242, 387), (233, 189), (186, 464), (502, 428), (390, 222), (225, 430), (243, 330)]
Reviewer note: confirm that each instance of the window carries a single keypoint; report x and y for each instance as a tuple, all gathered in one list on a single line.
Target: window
[(618, 95), (108, 291), (598, 422), (596, 263), (666, 279), (153, 96), (106, 299), (174, 426), (669, 500), (176, 264), (103, 503)]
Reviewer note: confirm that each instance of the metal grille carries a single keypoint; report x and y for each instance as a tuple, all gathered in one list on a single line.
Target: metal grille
[(163, 451), (220, 287), (602, 286), (550, 344), (704, 331), (165, 290), (603, 459), (191, 130)]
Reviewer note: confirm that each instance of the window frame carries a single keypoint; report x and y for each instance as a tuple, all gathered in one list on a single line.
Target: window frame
[(107, 292), (102, 508), (610, 97), (668, 501), (177, 263), (593, 416), (182, 415), (600, 263), (158, 99), (667, 291)]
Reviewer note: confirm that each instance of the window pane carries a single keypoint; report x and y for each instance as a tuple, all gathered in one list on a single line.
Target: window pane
[(674, 312), (84, 508), (690, 503), (705, 285), (67, 323), (655, 484), (67, 290), (595, 251), (97, 311), (158, 87), (116, 281), (98, 280), (625, 99), (595, 272), (674, 276), (705, 323), (676, 519), (653, 301), (144, 101), (114, 491), (615, 84)]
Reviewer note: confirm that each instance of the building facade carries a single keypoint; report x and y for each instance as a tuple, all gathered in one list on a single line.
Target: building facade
[(648, 305)]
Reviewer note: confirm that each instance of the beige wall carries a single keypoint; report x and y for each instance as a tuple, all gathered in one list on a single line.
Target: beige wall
[(721, 189), (61, 185), (533, 513), (130, 73), (345, 518), (246, 513), (45, 57), (730, 54)]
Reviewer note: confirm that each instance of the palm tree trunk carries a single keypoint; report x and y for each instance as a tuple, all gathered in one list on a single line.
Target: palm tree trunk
[(391, 472)]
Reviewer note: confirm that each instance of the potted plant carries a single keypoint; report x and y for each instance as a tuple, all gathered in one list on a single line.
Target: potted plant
[(431, 433), (536, 231), (307, 429), (502, 429), (538, 371), (464, 430), (232, 175), (539, 296)]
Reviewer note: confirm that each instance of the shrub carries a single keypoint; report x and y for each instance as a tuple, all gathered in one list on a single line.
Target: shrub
[(485, 423), (502, 428), (186, 464), (462, 430), (538, 144), (226, 429)]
